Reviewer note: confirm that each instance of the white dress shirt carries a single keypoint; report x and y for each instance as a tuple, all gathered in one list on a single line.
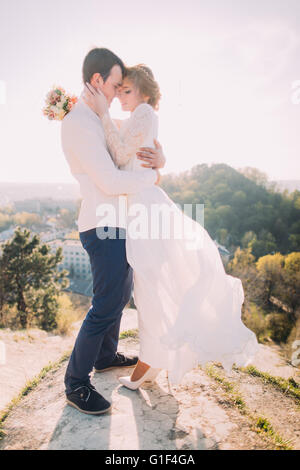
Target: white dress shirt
[(101, 182)]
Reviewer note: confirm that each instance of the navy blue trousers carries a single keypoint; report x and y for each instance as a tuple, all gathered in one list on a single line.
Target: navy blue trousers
[(97, 340)]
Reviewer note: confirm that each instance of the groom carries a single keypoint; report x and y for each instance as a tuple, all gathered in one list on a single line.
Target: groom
[(101, 183)]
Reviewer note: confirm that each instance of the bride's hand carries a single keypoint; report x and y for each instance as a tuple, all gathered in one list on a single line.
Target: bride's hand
[(95, 99)]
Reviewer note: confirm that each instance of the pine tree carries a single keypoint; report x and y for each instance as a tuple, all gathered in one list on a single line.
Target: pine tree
[(30, 279)]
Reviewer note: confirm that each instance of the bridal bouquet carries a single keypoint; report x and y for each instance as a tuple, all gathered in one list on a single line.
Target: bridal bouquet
[(58, 104)]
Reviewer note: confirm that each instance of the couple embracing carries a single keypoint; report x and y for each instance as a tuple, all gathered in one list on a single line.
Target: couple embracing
[(189, 309)]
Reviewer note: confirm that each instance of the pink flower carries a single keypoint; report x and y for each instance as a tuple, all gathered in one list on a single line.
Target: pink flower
[(60, 89), (58, 103)]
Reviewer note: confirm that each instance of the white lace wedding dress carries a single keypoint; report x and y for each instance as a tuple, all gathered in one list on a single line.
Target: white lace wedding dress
[(189, 309)]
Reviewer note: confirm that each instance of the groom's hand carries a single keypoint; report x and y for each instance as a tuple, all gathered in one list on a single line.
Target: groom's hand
[(158, 176), (154, 157)]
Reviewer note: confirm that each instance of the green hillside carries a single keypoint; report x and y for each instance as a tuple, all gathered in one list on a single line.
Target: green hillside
[(239, 210)]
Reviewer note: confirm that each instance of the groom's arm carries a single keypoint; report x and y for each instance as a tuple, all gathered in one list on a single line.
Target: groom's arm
[(95, 160)]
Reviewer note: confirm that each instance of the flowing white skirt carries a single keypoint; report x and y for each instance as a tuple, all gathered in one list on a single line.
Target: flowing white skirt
[(189, 309)]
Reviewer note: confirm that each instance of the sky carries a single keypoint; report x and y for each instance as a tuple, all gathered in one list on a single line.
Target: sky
[(226, 70)]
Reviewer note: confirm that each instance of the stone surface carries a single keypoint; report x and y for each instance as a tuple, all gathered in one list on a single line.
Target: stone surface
[(154, 417), (27, 352), (194, 415)]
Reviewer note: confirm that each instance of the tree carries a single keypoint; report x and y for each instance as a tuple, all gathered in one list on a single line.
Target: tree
[(242, 259), (292, 263), (222, 236), (290, 288), (265, 244), (259, 177), (32, 281), (294, 240), (248, 237), (269, 269), (243, 266), (4, 289), (297, 202), (280, 326)]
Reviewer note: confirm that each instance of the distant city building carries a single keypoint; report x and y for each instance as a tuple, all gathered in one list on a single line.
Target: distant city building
[(51, 222), (51, 235), (75, 258), (81, 286), (28, 205), (225, 254)]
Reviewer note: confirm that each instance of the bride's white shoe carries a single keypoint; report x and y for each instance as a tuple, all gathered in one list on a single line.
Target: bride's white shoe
[(149, 375)]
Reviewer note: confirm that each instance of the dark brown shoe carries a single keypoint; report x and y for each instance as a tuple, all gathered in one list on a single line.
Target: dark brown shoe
[(120, 361), (87, 400)]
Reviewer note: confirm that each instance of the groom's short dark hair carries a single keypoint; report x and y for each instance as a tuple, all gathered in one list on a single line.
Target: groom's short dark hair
[(100, 60)]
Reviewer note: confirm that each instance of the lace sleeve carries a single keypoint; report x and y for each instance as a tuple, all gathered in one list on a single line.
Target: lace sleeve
[(117, 123), (123, 147)]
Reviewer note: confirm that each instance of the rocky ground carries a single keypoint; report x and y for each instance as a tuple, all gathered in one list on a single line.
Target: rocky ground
[(28, 351), (202, 413)]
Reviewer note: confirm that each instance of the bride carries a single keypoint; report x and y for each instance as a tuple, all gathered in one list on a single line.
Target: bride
[(189, 309)]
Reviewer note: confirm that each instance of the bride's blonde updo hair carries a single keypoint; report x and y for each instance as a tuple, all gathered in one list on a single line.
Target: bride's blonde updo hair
[(143, 79)]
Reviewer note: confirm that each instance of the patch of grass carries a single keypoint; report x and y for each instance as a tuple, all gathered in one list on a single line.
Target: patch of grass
[(258, 423), (262, 425), (287, 386), (18, 338), (232, 393), (29, 386), (129, 334), (27, 336)]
